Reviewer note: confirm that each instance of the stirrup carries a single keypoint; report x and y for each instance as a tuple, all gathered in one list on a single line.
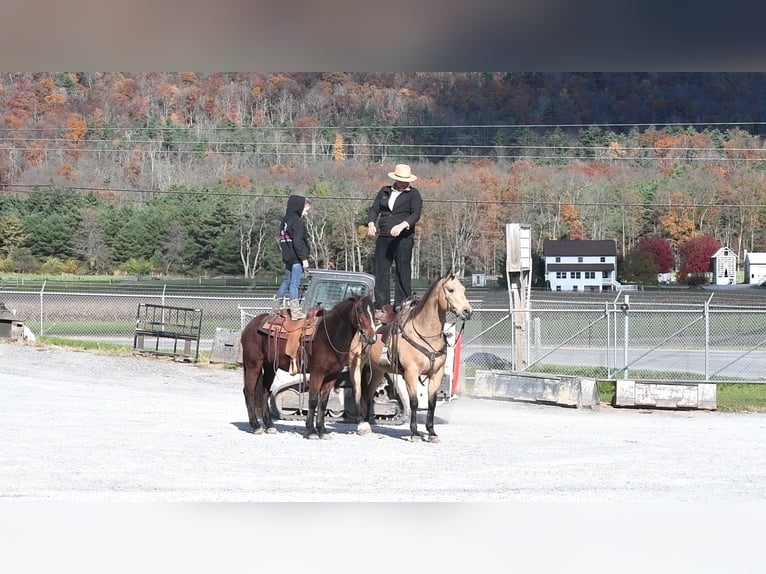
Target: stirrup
[(384, 360)]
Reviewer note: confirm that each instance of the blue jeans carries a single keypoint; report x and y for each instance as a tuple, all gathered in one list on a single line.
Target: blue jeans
[(291, 281)]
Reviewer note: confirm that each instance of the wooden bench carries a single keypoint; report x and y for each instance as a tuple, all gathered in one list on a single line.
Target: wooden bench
[(156, 323)]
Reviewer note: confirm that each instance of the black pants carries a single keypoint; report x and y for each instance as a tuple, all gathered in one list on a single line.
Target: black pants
[(396, 250)]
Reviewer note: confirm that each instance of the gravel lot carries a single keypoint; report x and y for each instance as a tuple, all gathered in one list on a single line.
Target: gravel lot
[(80, 428)]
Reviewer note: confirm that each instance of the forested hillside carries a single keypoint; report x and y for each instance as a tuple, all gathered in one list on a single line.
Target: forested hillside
[(188, 173)]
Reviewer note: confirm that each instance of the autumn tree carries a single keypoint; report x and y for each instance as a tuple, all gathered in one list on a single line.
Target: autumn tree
[(661, 252), (678, 219), (570, 218), (639, 267), (11, 234), (695, 255)]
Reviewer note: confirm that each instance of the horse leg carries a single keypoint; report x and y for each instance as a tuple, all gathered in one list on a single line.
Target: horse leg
[(412, 388), (433, 387), (311, 430), (357, 371), (324, 396), (262, 399), (432, 437), (252, 374)]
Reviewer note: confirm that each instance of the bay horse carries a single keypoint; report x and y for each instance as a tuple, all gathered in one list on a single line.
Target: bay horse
[(323, 357), (417, 348)]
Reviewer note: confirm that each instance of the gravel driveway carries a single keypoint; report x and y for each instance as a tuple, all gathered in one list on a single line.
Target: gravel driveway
[(81, 426)]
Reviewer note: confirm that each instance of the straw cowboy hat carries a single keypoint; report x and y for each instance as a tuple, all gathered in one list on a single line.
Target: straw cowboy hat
[(402, 173)]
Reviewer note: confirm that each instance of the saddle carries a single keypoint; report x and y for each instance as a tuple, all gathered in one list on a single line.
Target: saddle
[(295, 332), (387, 318)]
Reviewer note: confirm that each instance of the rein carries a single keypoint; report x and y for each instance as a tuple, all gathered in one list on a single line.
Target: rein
[(358, 330)]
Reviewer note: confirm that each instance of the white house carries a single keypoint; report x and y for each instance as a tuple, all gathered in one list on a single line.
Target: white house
[(582, 265), (755, 268), (723, 264)]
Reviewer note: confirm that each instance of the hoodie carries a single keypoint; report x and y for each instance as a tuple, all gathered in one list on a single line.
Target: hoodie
[(292, 232)]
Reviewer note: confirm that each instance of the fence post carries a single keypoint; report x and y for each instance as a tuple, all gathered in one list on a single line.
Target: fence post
[(608, 340), (625, 308), (707, 339), (42, 324)]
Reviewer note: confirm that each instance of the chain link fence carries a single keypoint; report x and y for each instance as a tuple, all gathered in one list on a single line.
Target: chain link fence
[(679, 336)]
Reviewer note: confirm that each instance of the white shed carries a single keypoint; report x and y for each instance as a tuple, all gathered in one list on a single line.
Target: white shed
[(723, 264), (478, 280), (755, 268)]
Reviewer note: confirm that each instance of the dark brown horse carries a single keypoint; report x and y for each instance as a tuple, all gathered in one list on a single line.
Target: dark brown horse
[(323, 358), (417, 348)]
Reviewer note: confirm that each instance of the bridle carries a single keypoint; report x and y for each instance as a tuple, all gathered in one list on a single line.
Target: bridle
[(359, 329)]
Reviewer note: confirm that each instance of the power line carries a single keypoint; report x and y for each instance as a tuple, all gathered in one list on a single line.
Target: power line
[(406, 127), (255, 195)]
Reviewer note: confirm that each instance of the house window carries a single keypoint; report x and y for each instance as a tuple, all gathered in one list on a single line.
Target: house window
[(574, 287), (603, 260), (561, 275), (579, 259), (558, 259), (558, 287), (574, 275), (590, 274), (605, 274)]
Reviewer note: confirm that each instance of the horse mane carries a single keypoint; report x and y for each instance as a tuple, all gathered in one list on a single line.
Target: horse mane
[(343, 307), (416, 309)]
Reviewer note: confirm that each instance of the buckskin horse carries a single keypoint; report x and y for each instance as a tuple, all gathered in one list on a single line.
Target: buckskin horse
[(317, 346), (417, 348)]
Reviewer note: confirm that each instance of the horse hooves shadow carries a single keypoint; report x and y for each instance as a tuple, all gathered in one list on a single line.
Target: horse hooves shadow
[(276, 429)]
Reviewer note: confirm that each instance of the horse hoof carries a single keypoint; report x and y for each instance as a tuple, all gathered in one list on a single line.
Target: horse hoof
[(416, 438), (271, 430), (312, 436), (327, 436), (434, 439), (363, 428), (259, 430)]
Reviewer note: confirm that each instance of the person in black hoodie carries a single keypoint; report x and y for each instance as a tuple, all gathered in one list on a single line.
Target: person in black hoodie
[(396, 210), (295, 253)]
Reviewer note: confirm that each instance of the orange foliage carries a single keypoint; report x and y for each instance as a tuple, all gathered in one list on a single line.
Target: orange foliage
[(483, 162), (56, 98), (337, 151), (35, 153), (279, 168), (132, 171), (44, 89), (241, 181), (76, 127), (570, 217), (615, 150), (13, 121), (65, 170), (188, 79), (676, 221)]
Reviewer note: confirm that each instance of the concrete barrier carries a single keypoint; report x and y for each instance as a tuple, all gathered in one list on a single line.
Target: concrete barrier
[(666, 394), (226, 346), (537, 387)]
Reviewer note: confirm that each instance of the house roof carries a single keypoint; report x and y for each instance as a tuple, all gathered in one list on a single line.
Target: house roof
[(756, 258), (585, 248), (725, 252)]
